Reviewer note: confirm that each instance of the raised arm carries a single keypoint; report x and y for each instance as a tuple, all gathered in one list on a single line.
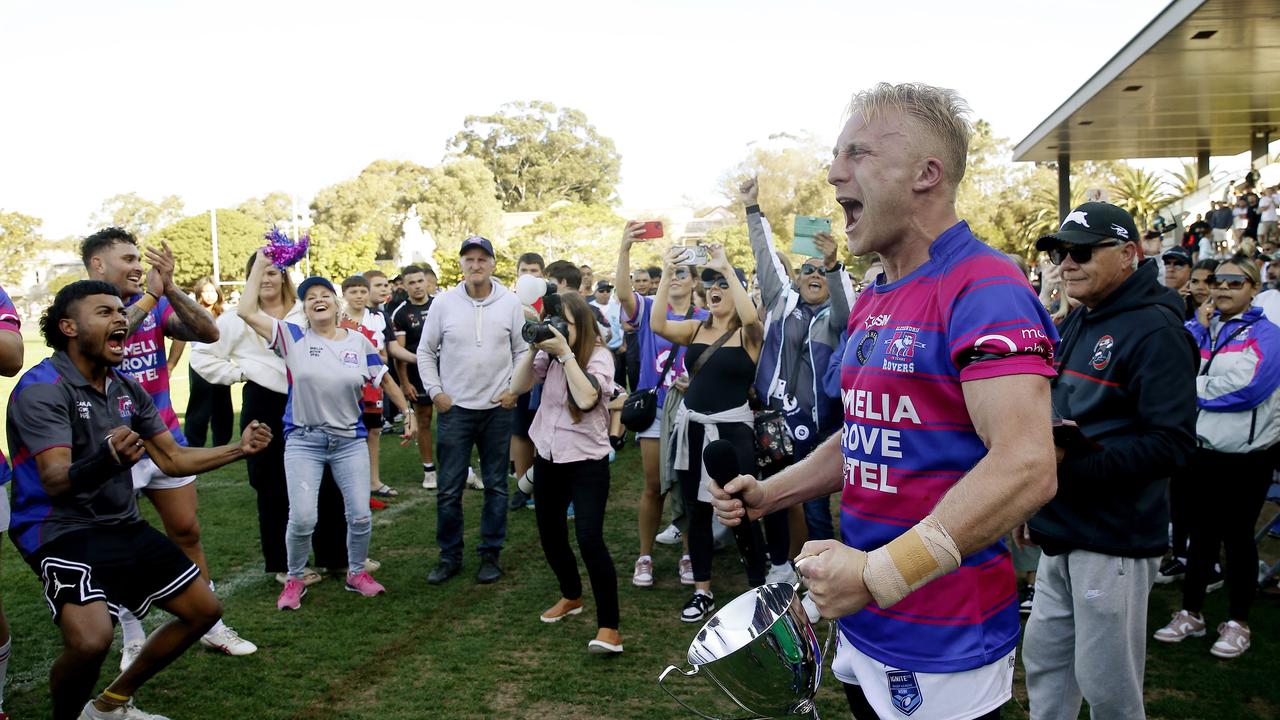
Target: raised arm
[(742, 301), (679, 332), (175, 460), (622, 275), (838, 284), (248, 310), (189, 320)]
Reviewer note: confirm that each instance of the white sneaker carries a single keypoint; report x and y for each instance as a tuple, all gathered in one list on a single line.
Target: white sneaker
[(473, 480), (1233, 640), (643, 575), (224, 639), (783, 573), (128, 654), (428, 479), (670, 536), (124, 712), (686, 571)]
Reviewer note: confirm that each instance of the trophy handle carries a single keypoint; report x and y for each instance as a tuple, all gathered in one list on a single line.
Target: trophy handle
[(695, 711)]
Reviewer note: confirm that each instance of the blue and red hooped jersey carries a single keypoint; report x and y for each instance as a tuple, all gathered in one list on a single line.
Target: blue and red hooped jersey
[(147, 362), (967, 314), (9, 322)]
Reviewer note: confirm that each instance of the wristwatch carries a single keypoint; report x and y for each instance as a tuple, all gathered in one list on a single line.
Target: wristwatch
[(565, 358)]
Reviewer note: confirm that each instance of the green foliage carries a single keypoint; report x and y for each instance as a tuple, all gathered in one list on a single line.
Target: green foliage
[(373, 204), (61, 280), (737, 245), (18, 234), (1140, 192), (792, 175), (274, 208), (1185, 180), (581, 234), (336, 258), (239, 235), (137, 214), (539, 154), (460, 200)]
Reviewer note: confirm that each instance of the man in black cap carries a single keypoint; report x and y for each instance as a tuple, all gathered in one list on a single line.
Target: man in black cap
[(1177, 269), (1126, 378)]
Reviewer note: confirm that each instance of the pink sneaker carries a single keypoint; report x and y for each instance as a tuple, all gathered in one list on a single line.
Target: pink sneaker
[(363, 583), (291, 596)]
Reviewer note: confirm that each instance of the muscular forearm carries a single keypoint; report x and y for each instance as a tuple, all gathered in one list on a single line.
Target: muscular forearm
[(194, 322), (185, 461), (1000, 493), (11, 353), (821, 473)]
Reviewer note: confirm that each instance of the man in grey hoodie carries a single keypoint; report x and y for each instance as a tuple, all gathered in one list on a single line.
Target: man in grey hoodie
[(469, 347)]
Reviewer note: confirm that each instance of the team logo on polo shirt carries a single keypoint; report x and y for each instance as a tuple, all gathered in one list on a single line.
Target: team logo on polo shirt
[(126, 407), (350, 359), (904, 691), (1102, 353), (901, 349), (148, 322)]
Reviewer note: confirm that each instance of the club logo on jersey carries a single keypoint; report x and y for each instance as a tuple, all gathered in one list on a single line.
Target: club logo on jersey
[(1102, 353), (148, 322), (904, 691), (126, 407), (350, 359), (902, 346), (866, 345)]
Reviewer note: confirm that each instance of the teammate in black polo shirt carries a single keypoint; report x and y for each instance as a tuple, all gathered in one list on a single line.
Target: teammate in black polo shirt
[(76, 425), (409, 318)]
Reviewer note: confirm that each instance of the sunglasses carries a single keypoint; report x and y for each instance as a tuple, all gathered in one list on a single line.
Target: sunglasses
[(721, 283), (1232, 282), (1081, 254), (1176, 263), (680, 274), (811, 269)]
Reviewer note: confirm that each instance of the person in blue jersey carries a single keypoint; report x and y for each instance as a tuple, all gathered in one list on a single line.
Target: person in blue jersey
[(327, 367), (946, 443), (77, 424)]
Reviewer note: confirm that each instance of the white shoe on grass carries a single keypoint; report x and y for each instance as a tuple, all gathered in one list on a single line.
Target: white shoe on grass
[(223, 639), (124, 712)]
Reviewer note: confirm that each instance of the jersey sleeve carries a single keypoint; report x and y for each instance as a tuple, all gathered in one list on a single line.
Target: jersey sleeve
[(41, 416), (400, 320), (641, 318), (285, 337), (998, 327), (600, 366), (374, 367), (9, 319), (541, 361)]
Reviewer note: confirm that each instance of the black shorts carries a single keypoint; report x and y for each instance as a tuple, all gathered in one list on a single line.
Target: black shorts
[(372, 421), (416, 381), (130, 566)]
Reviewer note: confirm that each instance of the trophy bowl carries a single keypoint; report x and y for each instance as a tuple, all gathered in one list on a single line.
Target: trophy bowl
[(761, 651)]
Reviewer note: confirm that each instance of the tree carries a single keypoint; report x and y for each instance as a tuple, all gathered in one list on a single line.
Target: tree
[(1185, 181), (336, 258), (793, 181), (18, 235), (460, 200), (274, 208), (137, 214), (373, 204), (1140, 192), (191, 240), (581, 234), (539, 154)]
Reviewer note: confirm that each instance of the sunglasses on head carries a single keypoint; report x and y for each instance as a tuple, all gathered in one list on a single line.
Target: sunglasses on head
[(1081, 254), (811, 269), (1233, 282)]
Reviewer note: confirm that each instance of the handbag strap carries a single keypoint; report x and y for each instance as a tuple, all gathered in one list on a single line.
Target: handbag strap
[(702, 359), (671, 357)]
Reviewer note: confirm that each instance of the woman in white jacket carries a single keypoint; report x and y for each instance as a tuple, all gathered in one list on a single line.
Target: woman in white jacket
[(1236, 428), (240, 355)]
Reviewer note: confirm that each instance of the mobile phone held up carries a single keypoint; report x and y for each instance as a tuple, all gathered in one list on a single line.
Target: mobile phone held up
[(803, 238), (650, 230), (692, 255)]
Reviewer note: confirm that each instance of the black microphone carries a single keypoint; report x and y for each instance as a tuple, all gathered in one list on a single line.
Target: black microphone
[(721, 461)]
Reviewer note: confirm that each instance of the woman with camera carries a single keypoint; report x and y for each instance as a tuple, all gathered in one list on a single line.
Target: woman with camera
[(570, 434), (1236, 429), (722, 355)]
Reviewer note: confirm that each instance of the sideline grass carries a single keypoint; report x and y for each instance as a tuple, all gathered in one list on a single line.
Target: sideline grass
[(463, 650)]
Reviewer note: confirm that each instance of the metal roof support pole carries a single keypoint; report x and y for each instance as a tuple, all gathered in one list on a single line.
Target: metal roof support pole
[(1202, 164), (1261, 138), (1064, 186)]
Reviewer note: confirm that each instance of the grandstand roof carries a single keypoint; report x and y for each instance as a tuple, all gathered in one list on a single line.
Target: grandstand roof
[(1203, 76)]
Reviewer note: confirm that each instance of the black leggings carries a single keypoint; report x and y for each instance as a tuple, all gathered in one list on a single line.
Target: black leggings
[(209, 406), (701, 542), (1224, 515), (266, 476), (586, 484), (862, 709)]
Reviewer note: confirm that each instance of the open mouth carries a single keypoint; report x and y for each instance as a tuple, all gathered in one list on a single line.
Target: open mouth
[(320, 306), (714, 297), (852, 212), (116, 338), (815, 285)]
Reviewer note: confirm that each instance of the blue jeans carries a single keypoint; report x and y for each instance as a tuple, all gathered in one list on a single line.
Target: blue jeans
[(457, 432), (306, 451), (817, 516)]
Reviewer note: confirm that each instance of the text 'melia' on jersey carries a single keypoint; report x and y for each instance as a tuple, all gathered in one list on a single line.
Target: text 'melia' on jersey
[(967, 314), (9, 322), (146, 360)]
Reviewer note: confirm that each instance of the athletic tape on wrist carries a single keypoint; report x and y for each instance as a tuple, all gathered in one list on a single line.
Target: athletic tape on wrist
[(911, 560)]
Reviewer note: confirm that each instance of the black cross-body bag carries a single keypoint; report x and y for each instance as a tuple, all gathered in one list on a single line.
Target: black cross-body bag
[(641, 408)]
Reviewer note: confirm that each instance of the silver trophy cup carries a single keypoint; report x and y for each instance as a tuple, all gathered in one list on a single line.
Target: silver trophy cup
[(761, 651)]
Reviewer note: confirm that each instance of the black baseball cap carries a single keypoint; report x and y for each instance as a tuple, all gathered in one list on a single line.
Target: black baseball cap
[(1177, 253), (604, 286), (475, 241), (709, 275), (311, 282), (1090, 224)]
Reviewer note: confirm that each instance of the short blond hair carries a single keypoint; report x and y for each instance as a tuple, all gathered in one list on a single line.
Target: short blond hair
[(941, 112)]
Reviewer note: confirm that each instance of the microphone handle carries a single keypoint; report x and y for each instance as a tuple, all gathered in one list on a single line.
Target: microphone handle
[(744, 534)]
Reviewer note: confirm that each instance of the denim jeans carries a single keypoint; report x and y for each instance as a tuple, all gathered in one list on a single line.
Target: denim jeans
[(817, 516), (457, 432), (306, 452)]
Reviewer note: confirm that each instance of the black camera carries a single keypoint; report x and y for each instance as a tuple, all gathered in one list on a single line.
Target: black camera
[(536, 332)]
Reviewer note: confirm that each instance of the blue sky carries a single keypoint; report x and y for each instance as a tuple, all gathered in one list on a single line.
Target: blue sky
[(217, 102)]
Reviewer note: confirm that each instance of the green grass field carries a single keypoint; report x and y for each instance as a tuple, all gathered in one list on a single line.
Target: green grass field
[(463, 650)]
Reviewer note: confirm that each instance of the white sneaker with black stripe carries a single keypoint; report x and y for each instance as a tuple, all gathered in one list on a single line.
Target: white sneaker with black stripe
[(699, 607)]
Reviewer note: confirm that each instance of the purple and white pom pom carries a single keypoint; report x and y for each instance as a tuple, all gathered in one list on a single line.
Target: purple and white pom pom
[(282, 251)]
